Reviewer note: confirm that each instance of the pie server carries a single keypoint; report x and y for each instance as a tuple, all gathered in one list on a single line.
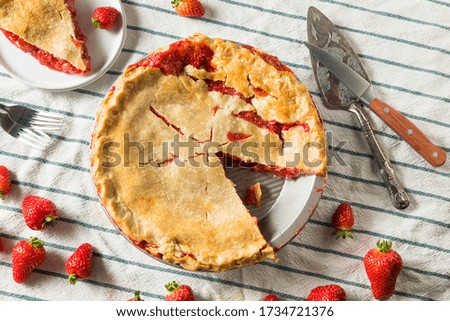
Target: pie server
[(333, 50), (335, 95)]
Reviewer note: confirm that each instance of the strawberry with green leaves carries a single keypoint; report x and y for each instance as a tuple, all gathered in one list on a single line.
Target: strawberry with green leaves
[(383, 265), (39, 212), (179, 292), (5, 182), (189, 8), (79, 264), (343, 221), (26, 257), (105, 17)]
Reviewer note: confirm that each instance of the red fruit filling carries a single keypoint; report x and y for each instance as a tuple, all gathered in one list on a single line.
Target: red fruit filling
[(178, 56), (272, 125), (48, 59), (224, 89), (145, 246), (283, 172), (253, 195), (271, 60), (235, 137)]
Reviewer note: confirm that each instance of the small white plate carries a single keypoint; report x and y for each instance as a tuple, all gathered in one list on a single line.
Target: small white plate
[(104, 47)]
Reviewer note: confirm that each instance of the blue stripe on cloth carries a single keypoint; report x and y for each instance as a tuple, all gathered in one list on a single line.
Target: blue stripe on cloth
[(360, 258), (18, 296), (385, 211), (55, 190), (70, 140), (387, 14), (387, 237), (359, 154), (405, 66), (45, 161), (91, 281), (447, 4), (377, 183), (377, 132), (52, 110)]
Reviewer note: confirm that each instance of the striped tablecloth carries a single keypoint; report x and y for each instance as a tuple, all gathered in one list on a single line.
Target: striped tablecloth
[(406, 48)]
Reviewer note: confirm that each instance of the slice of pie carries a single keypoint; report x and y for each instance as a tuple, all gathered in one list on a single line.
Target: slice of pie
[(49, 31), (164, 131)]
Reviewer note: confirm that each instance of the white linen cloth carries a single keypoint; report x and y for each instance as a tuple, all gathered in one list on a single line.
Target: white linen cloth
[(405, 46)]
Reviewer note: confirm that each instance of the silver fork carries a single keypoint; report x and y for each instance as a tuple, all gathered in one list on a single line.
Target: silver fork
[(34, 119), (34, 138)]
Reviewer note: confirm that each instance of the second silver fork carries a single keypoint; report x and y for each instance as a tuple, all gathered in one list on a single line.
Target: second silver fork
[(33, 119), (35, 138)]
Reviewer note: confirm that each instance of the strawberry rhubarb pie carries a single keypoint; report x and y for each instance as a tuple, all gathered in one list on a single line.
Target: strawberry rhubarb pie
[(226, 102), (49, 31)]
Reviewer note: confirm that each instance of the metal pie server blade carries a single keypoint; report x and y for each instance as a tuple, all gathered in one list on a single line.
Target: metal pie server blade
[(336, 95)]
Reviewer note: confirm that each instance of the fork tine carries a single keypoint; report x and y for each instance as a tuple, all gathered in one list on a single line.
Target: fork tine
[(25, 137), (44, 122), (48, 128), (46, 114), (38, 137), (44, 118), (29, 142)]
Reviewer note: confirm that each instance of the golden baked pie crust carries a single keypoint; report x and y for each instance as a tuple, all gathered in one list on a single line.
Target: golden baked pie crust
[(46, 24), (191, 215)]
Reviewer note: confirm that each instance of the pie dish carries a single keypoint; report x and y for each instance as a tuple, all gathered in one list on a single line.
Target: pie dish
[(225, 101), (49, 31)]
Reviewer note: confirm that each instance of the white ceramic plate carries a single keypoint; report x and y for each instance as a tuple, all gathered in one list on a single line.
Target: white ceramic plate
[(104, 47)]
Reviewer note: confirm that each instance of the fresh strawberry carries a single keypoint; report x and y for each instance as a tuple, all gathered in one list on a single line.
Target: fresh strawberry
[(331, 292), (26, 257), (105, 17), (137, 296), (5, 182), (188, 8), (2, 247), (39, 212), (253, 195), (271, 297), (179, 292), (383, 265), (343, 220), (79, 264)]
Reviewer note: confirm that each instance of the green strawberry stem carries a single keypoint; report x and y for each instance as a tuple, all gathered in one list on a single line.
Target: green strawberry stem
[(384, 246), (172, 287), (2, 196), (96, 23), (49, 220), (175, 3), (35, 242), (344, 234), (137, 296), (72, 279)]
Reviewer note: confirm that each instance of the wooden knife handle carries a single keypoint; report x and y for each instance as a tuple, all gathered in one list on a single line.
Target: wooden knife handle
[(409, 132)]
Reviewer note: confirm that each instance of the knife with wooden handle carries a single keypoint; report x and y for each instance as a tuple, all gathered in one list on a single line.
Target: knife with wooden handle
[(393, 118)]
